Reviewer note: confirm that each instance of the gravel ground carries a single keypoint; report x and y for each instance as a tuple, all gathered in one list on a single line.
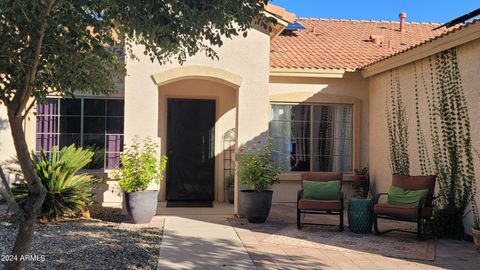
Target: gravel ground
[(97, 243)]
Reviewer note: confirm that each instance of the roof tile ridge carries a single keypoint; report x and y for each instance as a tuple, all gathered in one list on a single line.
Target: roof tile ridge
[(364, 20), (423, 42)]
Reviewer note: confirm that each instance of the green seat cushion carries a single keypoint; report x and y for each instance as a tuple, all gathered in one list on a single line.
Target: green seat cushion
[(404, 197), (315, 190)]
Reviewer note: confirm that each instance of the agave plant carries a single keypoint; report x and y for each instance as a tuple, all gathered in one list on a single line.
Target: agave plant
[(68, 193)]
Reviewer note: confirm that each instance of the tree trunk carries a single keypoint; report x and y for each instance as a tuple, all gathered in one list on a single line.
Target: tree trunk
[(36, 193)]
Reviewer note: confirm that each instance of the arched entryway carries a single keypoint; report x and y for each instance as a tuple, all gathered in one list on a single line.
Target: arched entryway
[(197, 107)]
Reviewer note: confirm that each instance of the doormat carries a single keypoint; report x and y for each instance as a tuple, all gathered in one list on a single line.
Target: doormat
[(204, 204)]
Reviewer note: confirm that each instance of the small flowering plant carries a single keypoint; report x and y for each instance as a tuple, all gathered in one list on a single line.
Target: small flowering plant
[(256, 169), (140, 166)]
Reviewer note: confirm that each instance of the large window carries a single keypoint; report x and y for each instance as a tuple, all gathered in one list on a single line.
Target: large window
[(314, 137), (92, 123)]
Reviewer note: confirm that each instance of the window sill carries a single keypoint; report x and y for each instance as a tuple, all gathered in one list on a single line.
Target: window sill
[(102, 173), (295, 176)]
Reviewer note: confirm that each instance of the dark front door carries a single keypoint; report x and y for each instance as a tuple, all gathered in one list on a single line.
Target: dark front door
[(190, 149)]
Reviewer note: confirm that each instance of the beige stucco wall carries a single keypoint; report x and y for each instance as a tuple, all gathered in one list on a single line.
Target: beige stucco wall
[(380, 172), (247, 58), (7, 149), (351, 89)]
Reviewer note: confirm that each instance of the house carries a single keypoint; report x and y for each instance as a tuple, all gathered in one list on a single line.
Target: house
[(322, 93)]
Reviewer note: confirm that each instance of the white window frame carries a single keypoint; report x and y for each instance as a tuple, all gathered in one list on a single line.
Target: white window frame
[(311, 104)]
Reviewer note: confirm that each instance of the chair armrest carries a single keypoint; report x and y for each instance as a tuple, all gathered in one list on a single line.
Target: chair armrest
[(377, 197), (421, 204), (299, 195)]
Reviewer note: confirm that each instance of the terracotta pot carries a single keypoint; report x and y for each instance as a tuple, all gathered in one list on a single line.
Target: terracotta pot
[(359, 178), (476, 238)]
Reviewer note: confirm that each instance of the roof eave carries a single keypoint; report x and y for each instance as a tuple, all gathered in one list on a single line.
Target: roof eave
[(424, 49), (276, 29), (282, 17), (311, 73)]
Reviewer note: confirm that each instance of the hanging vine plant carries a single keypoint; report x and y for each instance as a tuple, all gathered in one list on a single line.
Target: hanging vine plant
[(423, 153), (451, 144), (397, 127)]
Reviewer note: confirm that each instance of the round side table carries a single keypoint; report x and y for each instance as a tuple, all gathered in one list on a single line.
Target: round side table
[(360, 215)]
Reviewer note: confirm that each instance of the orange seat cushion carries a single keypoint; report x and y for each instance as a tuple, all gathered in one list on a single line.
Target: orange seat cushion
[(320, 205), (386, 209)]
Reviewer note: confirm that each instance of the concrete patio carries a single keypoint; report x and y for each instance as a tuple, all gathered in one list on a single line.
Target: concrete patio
[(211, 242), (449, 254)]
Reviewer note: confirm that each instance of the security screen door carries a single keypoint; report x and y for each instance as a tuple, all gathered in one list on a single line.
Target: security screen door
[(190, 149)]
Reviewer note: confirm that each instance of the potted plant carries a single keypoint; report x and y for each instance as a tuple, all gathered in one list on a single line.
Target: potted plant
[(360, 176), (476, 232), (141, 166), (257, 172), (230, 182)]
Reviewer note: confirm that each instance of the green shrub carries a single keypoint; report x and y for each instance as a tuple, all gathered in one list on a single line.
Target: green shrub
[(256, 169), (98, 158), (140, 166), (68, 193)]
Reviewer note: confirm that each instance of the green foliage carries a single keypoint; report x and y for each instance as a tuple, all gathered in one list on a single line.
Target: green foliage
[(67, 192), (53, 40), (449, 124), (230, 180), (362, 171), (452, 146), (98, 159), (140, 166), (397, 127), (256, 169), (423, 153)]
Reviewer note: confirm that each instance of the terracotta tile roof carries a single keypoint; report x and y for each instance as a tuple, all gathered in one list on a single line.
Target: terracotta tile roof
[(344, 44), (445, 33)]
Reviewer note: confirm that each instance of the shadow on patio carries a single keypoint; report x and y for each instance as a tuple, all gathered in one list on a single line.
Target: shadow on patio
[(209, 242), (279, 243)]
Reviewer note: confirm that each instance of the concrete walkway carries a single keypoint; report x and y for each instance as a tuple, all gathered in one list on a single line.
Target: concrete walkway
[(201, 242)]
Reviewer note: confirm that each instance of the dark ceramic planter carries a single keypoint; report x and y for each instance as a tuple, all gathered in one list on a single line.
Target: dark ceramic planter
[(256, 205), (141, 206), (231, 194)]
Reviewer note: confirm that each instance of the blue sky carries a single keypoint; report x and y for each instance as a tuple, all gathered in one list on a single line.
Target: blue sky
[(417, 10)]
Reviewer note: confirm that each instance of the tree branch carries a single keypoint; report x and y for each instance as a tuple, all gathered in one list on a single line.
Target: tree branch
[(21, 99), (5, 182), (6, 193), (25, 15), (29, 108)]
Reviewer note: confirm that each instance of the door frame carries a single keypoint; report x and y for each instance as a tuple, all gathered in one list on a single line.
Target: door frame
[(162, 132)]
